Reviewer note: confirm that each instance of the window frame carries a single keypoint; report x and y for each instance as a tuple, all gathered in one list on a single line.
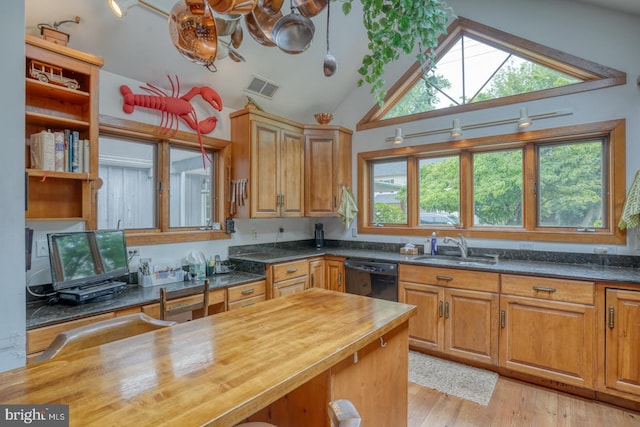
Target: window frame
[(614, 130), (115, 127), (596, 76)]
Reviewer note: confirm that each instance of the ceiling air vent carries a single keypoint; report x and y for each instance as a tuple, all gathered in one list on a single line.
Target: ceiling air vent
[(262, 87)]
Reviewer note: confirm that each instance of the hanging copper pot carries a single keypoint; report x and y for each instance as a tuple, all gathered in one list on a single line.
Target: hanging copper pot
[(310, 8), (270, 6), (260, 25), (192, 29)]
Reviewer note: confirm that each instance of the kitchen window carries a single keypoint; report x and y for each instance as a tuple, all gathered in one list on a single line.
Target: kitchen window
[(564, 184), (160, 187)]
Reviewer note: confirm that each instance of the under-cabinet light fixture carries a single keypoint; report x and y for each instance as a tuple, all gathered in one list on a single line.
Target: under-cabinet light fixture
[(456, 130), (398, 139), (565, 112)]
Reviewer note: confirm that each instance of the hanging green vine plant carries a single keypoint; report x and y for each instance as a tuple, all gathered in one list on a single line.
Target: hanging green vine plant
[(395, 27)]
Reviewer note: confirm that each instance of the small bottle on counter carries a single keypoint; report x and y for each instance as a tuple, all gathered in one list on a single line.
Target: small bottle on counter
[(434, 244)]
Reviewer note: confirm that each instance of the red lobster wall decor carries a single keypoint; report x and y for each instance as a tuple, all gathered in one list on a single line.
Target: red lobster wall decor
[(173, 106)]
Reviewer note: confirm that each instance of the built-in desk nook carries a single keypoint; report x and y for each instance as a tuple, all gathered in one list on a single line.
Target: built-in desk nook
[(279, 361)]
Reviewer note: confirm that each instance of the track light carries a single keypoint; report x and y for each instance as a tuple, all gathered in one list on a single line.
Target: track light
[(120, 7), (397, 139), (456, 130), (524, 120)]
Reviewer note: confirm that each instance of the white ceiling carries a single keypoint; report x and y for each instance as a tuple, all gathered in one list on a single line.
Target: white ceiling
[(138, 47)]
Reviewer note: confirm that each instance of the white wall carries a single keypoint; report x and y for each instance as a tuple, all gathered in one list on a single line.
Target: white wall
[(595, 34), (12, 301)]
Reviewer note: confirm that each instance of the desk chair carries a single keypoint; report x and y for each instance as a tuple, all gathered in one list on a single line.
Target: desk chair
[(101, 332), (184, 303)]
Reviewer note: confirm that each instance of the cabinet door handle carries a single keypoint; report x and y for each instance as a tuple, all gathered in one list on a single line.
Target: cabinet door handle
[(292, 270), (440, 308), (441, 277), (543, 289), (247, 304), (503, 318), (611, 318), (248, 291), (446, 310), (282, 200)]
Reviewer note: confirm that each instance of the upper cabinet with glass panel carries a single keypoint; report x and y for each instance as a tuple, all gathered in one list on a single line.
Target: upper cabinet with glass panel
[(478, 67)]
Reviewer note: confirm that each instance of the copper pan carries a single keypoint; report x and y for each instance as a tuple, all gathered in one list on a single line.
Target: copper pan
[(270, 6), (233, 7), (310, 8), (260, 25)]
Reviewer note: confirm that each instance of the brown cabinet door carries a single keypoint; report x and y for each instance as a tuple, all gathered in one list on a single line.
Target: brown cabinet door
[(335, 275), (291, 286), (265, 164), (316, 274), (471, 325), (426, 329), (327, 169), (291, 173), (623, 341), (548, 339)]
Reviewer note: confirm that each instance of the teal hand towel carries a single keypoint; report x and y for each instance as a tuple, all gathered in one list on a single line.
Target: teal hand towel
[(631, 211), (348, 208)]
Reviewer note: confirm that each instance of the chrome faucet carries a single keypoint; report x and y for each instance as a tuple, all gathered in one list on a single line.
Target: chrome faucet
[(461, 243)]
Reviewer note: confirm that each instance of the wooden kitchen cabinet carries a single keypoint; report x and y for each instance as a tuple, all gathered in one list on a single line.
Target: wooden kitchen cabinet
[(289, 277), (457, 311), (246, 295), (317, 273), (622, 341), (49, 105), (269, 152), (327, 168), (335, 273), (548, 328)]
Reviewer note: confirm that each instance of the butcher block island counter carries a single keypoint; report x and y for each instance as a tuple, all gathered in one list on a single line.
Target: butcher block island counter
[(279, 361)]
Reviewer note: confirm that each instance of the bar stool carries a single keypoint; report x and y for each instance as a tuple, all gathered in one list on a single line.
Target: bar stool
[(168, 307)]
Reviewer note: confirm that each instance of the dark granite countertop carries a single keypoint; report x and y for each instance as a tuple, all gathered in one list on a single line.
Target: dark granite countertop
[(42, 314), (591, 272)]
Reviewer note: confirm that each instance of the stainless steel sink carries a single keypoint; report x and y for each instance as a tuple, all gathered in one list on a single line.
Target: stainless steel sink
[(472, 260)]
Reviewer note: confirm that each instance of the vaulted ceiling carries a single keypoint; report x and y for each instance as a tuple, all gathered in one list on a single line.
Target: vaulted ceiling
[(138, 46)]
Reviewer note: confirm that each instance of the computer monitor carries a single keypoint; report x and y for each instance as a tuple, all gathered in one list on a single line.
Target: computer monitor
[(80, 259)]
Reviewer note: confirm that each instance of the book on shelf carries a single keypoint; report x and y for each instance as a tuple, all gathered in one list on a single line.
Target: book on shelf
[(43, 149), (86, 159), (59, 143), (76, 152), (61, 151)]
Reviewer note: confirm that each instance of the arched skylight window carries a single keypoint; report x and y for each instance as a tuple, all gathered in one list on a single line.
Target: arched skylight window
[(480, 67)]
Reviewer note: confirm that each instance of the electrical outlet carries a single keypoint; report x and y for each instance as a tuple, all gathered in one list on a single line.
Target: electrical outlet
[(255, 234), (133, 252), (281, 230), (354, 232), (42, 249)]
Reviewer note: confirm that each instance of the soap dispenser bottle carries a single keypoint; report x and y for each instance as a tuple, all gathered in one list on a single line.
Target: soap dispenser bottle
[(434, 244)]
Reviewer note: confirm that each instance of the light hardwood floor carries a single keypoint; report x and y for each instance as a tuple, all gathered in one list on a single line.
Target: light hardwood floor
[(514, 403)]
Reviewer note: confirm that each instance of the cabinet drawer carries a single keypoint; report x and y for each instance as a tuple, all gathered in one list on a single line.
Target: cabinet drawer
[(577, 291), (39, 339), (288, 270), (245, 302), (450, 277), (249, 290)]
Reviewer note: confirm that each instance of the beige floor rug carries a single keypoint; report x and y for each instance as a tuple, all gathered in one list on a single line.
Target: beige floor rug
[(458, 380)]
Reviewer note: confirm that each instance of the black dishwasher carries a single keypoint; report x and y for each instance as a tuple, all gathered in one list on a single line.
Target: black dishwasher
[(371, 278)]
